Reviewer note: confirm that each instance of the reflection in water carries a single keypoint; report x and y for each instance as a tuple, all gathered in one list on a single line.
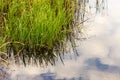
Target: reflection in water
[(99, 55)]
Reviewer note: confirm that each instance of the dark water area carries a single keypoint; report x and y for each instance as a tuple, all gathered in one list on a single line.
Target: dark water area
[(99, 53)]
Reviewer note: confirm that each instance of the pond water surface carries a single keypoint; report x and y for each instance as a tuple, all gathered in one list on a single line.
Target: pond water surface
[(99, 54)]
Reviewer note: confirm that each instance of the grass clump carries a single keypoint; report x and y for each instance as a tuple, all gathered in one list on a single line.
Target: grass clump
[(39, 29), (33, 28)]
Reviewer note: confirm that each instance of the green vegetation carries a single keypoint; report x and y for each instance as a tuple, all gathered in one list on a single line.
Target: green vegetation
[(37, 29), (33, 28)]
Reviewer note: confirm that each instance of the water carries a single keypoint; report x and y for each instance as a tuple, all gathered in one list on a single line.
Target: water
[(98, 59)]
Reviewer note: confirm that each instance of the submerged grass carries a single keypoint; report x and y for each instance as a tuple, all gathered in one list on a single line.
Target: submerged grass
[(37, 29)]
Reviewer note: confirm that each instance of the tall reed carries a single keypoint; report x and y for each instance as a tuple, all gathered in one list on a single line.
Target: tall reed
[(37, 28)]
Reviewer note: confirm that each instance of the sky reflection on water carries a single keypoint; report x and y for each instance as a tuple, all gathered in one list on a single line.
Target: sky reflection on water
[(99, 55)]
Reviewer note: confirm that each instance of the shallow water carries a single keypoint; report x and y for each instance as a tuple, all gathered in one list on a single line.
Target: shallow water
[(98, 59)]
